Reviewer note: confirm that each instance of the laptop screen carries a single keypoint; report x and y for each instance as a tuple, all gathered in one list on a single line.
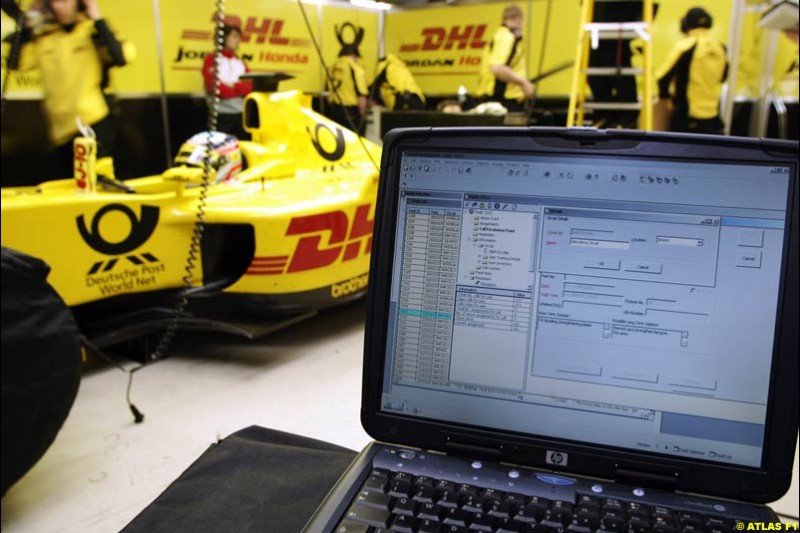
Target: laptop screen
[(625, 302)]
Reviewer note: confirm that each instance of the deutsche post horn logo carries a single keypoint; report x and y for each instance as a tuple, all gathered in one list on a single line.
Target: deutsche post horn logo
[(141, 229), (338, 150), (353, 37)]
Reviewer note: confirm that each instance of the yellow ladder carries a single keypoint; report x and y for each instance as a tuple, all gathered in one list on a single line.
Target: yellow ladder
[(589, 34)]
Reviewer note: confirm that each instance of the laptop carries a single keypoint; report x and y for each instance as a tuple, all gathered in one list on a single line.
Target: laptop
[(577, 330)]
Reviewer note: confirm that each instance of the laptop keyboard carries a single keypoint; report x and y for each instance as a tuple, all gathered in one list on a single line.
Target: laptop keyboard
[(402, 502)]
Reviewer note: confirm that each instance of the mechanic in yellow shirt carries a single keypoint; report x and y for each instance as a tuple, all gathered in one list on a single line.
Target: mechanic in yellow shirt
[(74, 48), (396, 86), (504, 77), (348, 102), (692, 76)]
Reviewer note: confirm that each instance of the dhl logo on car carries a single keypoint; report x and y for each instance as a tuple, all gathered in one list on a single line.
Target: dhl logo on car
[(346, 241)]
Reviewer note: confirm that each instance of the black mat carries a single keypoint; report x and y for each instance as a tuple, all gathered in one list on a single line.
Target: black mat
[(256, 479)]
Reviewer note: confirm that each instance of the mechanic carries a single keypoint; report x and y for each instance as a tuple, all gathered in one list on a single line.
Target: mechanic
[(503, 69), (395, 86), (348, 102), (56, 36), (231, 90), (695, 69)]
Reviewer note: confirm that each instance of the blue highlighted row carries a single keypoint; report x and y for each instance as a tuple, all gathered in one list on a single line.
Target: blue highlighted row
[(753, 222), (426, 314)]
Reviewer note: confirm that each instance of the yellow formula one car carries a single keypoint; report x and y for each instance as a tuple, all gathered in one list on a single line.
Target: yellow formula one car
[(288, 225)]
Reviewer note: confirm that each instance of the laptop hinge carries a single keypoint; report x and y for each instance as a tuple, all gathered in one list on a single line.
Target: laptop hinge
[(472, 451), (647, 479)]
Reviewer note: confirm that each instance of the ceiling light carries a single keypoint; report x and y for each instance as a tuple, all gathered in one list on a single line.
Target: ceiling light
[(371, 4)]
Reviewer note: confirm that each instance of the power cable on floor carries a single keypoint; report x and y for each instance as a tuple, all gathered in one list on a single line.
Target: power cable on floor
[(138, 416), (788, 516)]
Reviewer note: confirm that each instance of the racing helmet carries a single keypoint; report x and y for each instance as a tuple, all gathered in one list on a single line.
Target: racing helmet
[(225, 155)]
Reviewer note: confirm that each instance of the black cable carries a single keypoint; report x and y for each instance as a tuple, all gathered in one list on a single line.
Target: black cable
[(539, 67), (138, 416), (165, 342), (332, 85), (544, 37)]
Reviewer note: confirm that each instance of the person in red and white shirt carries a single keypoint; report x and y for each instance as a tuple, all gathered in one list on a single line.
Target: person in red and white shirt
[(231, 90)]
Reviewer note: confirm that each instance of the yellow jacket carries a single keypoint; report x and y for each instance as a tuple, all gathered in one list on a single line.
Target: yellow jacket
[(693, 73), (350, 80), (506, 48), (74, 63), (393, 78)]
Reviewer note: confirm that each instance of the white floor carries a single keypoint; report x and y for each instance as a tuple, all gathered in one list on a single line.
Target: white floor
[(102, 469)]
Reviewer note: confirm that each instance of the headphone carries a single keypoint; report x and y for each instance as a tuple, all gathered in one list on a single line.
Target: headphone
[(702, 20)]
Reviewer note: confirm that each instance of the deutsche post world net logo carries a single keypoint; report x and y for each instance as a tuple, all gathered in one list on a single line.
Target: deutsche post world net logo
[(122, 270)]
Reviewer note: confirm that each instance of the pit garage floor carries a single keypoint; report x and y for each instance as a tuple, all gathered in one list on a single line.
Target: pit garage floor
[(103, 469)]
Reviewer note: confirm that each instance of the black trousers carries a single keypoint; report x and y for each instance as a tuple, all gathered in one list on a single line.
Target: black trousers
[(686, 124), (407, 100)]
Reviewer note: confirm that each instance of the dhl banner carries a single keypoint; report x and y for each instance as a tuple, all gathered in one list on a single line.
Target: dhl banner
[(275, 39), (443, 46)]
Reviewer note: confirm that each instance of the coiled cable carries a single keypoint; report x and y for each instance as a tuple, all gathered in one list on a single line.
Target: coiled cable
[(168, 336)]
